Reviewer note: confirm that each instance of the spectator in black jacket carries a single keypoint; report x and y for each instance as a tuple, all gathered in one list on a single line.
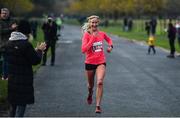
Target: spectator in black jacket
[(147, 28), (50, 35), (172, 37), (7, 25), (153, 25), (21, 56)]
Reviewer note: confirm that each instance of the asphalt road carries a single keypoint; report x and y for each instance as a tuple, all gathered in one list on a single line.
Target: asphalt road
[(136, 84)]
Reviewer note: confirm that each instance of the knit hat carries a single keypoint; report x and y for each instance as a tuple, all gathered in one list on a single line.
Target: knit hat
[(24, 27)]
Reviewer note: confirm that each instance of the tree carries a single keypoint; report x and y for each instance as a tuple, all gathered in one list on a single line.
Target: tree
[(172, 9), (17, 6), (150, 7), (125, 7)]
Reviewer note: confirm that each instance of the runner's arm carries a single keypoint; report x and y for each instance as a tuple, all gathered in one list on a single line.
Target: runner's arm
[(108, 40), (87, 42)]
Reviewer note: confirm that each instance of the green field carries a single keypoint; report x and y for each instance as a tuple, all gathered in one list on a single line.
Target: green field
[(161, 39), (138, 33)]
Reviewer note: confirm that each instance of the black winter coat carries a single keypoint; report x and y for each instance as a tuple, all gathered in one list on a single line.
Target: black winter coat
[(21, 56), (50, 31), (171, 32)]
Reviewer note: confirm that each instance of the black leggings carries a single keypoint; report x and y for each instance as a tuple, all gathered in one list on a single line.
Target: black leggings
[(172, 46)]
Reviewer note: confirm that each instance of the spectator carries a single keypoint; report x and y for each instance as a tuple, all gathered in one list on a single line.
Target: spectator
[(106, 22), (59, 25), (178, 32), (153, 24), (21, 56), (151, 43), (147, 27), (7, 25), (125, 28), (130, 24), (172, 37), (34, 25), (81, 19), (50, 35)]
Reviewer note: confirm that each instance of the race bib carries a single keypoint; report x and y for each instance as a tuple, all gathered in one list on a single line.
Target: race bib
[(97, 46)]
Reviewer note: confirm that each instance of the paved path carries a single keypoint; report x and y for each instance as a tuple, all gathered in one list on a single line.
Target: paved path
[(136, 84)]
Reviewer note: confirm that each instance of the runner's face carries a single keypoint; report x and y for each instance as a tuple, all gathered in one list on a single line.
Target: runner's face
[(94, 23)]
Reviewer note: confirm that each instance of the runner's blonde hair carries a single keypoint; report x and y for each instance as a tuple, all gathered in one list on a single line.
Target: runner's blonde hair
[(92, 16)]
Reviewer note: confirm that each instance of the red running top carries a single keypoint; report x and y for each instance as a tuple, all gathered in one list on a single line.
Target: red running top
[(92, 46)]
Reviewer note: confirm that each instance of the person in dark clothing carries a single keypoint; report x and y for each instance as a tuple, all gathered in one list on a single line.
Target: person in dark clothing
[(172, 37), (130, 24), (21, 56), (147, 28), (7, 25), (178, 32), (50, 35), (106, 22), (34, 25), (125, 27), (153, 24), (81, 19)]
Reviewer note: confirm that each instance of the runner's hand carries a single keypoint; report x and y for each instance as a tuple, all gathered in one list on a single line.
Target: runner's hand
[(109, 49)]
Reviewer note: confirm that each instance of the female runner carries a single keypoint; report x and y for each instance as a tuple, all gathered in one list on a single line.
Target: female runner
[(95, 62)]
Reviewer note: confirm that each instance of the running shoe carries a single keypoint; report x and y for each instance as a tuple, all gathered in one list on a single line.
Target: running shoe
[(171, 56), (98, 109), (89, 99)]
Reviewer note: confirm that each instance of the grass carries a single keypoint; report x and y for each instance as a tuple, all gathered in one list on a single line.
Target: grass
[(3, 91), (3, 84), (161, 38), (40, 38)]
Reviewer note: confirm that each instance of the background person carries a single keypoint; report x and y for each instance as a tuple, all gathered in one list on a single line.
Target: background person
[(171, 37), (59, 26), (7, 25), (178, 31), (50, 36), (147, 28), (153, 25), (34, 27), (151, 43)]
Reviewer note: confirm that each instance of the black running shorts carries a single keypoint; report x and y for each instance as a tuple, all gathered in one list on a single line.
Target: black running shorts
[(92, 66)]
